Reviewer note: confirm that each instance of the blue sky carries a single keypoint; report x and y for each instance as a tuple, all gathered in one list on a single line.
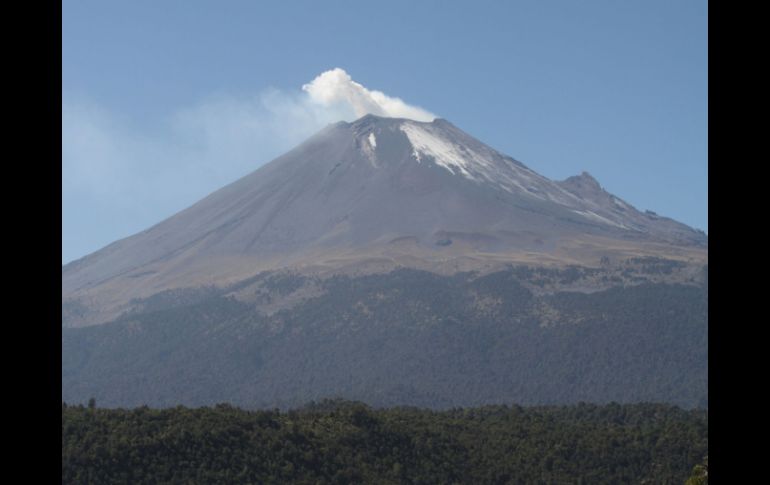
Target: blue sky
[(164, 102)]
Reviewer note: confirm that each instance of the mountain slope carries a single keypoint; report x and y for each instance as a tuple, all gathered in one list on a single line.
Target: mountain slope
[(398, 263), (403, 338), (376, 193)]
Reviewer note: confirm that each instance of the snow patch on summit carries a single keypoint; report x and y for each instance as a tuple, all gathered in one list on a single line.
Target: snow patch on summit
[(451, 156), (479, 164), (368, 144), (461, 156)]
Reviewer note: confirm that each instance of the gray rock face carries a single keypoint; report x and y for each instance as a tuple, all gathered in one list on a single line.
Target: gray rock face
[(377, 189)]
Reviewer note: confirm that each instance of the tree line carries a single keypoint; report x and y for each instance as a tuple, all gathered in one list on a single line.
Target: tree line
[(337, 441)]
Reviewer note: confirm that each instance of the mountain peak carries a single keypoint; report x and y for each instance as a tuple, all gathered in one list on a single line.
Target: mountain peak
[(584, 180), (346, 194), (371, 119), (368, 118), (584, 186)]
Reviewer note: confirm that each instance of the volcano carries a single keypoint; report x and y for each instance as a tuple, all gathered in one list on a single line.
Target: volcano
[(393, 262), (372, 195)]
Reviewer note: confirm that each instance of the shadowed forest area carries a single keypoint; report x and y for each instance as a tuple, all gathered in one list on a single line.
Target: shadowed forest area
[(340, 442), (404, 338)]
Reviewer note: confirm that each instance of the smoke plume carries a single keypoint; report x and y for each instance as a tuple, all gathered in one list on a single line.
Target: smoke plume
[(336, 86)]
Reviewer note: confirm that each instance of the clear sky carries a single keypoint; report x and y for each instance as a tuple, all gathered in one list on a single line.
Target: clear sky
[(164, 102)]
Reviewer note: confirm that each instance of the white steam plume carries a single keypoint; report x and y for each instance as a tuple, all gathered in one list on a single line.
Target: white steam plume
[(336, 86), (119, 179)]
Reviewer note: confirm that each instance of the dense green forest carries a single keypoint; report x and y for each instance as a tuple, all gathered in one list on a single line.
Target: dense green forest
[(348, 442), (404, 338)]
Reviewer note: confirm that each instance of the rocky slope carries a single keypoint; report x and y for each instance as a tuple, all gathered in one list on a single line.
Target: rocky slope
[(367, 197)]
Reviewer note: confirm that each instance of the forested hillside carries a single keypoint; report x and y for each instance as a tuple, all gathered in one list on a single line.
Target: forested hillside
[(403, 338), (339, 442)]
